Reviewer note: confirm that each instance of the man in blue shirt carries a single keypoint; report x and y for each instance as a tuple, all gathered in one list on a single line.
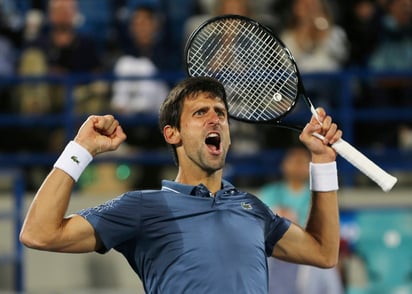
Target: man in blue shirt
[(198, 234)]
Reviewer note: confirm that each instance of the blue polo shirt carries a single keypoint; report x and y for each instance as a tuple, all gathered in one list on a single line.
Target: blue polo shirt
[(181, 240)]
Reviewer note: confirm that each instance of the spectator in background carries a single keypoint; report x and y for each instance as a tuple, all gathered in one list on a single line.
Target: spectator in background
[(392, 53), (316, 42), (65, 49), (361, 23), (290, 197), (7, 68), (57, 50), (147, 56), (7, 56), (214, 8), (34, 21), (394, 50), (10, 43)]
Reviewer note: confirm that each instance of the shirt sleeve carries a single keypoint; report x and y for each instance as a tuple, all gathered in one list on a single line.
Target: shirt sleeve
[(276, 227), (116, 220)]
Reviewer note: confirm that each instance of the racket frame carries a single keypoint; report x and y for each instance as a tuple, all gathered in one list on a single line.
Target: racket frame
[(356, 158)]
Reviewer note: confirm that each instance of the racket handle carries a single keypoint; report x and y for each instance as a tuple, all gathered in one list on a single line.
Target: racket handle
[(364, 164)]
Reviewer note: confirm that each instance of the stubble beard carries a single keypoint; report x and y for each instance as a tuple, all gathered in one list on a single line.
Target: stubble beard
[(213, 165)]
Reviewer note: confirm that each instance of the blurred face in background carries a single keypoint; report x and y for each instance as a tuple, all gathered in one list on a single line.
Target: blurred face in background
[(240, 7), (307, 12), (295, 166), (62, 12), (62, 15), (143, 27), (401, 10)]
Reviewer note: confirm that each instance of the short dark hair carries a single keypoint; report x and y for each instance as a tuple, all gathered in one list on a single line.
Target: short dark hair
[(171, 108)]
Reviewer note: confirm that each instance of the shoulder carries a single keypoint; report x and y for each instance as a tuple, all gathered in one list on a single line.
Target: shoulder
[(122, 202), (256, 202), (128, 199), (130, 205)]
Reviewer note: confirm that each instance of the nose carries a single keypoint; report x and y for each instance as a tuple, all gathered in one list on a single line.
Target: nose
[(213, 118)]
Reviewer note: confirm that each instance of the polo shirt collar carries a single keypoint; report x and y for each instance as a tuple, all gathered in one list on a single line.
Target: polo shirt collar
[(189, 189)]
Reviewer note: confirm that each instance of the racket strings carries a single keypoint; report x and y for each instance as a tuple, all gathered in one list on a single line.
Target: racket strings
[(259, 78), (250, 105)]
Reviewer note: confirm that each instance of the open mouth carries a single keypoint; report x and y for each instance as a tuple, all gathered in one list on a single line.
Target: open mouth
[(213, 141)]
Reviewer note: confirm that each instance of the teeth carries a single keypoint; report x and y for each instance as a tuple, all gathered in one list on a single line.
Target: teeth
[(212, 135), (213, 139)]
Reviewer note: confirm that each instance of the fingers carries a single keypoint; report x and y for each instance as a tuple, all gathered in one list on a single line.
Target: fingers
[(106, 124), (333, 134), (320, 148), (328, 128), (118, 138), (321, 116), (99, 134), (110, 127)]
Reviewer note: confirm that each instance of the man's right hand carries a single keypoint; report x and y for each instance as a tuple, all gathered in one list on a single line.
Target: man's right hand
[(100, 134)]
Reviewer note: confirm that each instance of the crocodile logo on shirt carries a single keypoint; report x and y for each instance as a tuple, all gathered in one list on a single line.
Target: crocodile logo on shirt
[(246, 206), (75, 159)]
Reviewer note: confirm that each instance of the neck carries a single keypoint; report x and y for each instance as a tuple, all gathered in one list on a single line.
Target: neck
[(212, 181)]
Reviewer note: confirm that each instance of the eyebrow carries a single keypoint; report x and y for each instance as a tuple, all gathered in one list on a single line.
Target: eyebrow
[(220, 106)]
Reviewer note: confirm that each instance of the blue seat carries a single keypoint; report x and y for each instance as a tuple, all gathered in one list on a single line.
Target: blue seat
[(385, 243)]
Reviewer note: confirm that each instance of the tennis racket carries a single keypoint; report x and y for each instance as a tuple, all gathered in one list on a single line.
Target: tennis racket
[(261, 78)]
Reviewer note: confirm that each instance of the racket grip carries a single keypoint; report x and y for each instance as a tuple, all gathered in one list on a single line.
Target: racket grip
[(365, 165)]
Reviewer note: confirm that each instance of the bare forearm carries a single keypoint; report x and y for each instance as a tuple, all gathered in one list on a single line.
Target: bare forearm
[(323, 225)]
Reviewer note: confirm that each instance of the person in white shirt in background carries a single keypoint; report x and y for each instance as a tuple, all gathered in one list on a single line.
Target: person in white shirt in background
[(131, 96), (145, 57)]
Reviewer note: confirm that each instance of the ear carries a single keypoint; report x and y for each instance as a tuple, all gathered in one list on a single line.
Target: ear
[(171, 135)]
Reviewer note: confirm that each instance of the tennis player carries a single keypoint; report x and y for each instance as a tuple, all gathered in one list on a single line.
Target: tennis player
[(198, 234)]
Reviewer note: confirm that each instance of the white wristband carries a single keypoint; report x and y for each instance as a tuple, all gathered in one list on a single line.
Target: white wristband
[(323, 177), (73, 160)]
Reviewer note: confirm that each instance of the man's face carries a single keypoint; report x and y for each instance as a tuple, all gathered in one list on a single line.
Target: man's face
[(204, 133)]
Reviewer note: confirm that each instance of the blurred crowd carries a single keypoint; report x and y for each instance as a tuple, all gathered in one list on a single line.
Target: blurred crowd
[(333, 33), (146, 37)]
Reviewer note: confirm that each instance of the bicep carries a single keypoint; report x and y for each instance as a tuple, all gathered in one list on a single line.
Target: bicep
[(77, 235), (297, 246)]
